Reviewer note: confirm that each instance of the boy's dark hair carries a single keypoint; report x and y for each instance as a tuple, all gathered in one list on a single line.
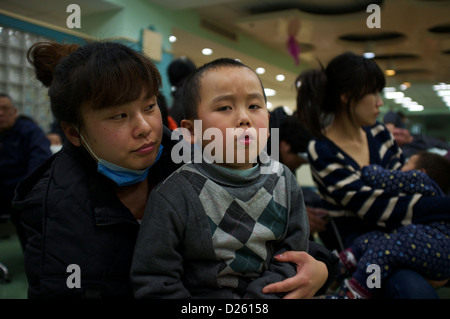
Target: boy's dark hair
[(319, 91), (437, 167), (191, 88)]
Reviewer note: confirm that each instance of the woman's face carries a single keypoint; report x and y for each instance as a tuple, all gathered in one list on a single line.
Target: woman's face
[(366, 111), (127, 135)]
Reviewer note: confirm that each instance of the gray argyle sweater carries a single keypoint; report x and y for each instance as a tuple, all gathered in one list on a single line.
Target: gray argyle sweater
[(210, 233)]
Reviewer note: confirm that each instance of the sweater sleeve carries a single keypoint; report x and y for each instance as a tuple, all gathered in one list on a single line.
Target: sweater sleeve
[(296, 239), (157, 265), (341, 185)]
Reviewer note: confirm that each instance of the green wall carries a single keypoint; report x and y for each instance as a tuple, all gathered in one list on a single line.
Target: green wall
[(137, 15)]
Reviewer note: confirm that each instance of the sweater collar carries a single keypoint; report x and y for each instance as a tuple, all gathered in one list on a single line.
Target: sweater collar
[(229, 177)]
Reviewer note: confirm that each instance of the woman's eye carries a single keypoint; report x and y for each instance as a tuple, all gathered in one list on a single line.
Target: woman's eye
[(150, 107), (119, 116)]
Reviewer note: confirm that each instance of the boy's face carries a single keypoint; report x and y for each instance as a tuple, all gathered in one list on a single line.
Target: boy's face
[(232, 98)]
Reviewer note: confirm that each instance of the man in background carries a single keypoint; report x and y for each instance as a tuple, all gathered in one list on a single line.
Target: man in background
[(23, 147)]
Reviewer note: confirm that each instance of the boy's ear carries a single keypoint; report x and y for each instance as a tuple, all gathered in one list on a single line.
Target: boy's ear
[(188, 125), (71, 133)]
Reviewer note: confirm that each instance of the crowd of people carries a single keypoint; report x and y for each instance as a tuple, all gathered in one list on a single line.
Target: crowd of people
[(220, 226)]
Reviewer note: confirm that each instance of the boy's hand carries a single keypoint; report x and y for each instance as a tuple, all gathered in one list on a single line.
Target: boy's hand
[(311, 276)]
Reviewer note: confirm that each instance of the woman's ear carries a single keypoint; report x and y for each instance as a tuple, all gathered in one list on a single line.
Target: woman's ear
[(72, 134), (188, 127)]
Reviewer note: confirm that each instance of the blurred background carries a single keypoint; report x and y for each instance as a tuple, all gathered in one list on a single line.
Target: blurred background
[(409, 39)]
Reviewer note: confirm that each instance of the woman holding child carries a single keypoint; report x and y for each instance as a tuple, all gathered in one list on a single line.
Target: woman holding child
[(83, 207), (340, 105)]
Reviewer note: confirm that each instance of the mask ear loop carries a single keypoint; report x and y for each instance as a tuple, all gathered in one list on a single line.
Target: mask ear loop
[(85, 144)]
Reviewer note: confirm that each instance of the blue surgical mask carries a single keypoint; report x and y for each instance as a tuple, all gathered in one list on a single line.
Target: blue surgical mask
[(120, 175), (124, 176)]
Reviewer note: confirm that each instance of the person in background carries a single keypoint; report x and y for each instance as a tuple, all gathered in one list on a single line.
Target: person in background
[(293, 144), (412, 143), (56, 136), (167, 119), (23, 148), (178, 70), (339, 105)]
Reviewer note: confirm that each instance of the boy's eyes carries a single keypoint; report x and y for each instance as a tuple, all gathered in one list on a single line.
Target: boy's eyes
[(252, 106)]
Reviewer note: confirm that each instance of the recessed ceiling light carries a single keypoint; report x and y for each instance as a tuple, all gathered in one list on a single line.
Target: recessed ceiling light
[(394, 95), (207, 51), (369, 55), (270, 92), (260, 70), (280, 77), (172, 38), (415, 108)]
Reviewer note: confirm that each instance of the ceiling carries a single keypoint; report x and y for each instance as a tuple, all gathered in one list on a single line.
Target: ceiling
[(413, 38)]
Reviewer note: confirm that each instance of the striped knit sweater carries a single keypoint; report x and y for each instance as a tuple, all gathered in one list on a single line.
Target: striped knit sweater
[(338, 179)]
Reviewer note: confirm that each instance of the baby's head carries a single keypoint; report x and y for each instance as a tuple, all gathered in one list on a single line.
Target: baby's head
[(437, 167), (229, 100)]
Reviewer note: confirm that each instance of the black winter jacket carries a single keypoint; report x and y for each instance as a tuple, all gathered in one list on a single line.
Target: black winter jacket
[(72, 217)]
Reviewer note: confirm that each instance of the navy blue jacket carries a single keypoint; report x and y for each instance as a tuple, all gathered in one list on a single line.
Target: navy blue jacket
[(22, 149)]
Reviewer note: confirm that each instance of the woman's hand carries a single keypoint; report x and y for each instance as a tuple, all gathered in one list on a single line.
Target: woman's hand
[(311, 276)]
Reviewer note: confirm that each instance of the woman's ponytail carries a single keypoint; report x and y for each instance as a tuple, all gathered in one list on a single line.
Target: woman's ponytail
[(311, 91)]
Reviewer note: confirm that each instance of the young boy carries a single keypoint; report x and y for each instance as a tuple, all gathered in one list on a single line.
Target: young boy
[(422, 247), (214, 226)]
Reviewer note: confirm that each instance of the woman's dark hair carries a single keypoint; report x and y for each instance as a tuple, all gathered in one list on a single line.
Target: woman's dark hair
[(319, 91), (192, 85), (96, 75)]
